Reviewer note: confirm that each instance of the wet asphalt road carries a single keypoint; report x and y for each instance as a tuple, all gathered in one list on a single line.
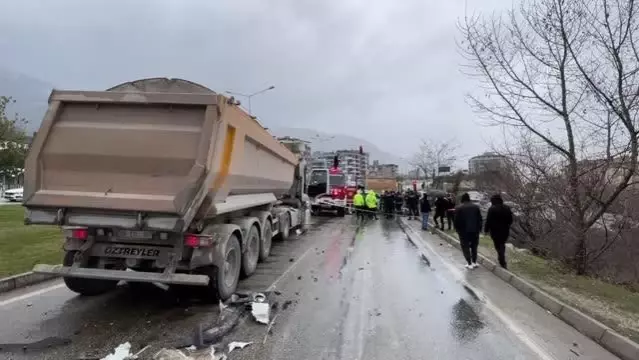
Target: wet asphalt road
[(341, 291)]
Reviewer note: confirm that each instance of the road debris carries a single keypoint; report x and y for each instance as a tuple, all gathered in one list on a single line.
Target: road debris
[(175, 354), (260, 309), (238, 345), (268, 329), (287, 303), (121, 352)]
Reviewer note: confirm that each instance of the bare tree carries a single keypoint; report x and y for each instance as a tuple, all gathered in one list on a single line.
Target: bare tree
[(12, 142), (434, 154), (564, 75)]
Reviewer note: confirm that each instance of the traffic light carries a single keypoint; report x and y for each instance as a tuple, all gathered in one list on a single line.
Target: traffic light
[(361, 150), (335, 162)]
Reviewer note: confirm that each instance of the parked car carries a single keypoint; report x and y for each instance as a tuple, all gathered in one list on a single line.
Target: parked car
[(13, 195)]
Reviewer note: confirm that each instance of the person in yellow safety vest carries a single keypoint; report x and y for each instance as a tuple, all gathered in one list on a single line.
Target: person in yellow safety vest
[(371, 203), (359, 204)]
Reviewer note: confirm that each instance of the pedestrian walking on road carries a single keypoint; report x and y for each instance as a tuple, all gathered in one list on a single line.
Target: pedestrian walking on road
[(468, 224), (359, 204), (440, 212), (425, 209), (498, 222)]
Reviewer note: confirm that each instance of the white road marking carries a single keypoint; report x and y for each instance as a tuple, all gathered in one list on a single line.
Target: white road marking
[(31, 294), (290, 268), (505, 319)]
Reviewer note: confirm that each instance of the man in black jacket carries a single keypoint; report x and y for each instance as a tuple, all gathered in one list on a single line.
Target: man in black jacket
[(413, 204), (468, 224), (450, 210), (425, 210), (498, 222), (440, 212)]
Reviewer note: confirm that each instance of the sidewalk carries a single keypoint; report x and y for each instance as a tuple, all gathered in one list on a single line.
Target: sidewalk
[(614, 305), (538, 328)]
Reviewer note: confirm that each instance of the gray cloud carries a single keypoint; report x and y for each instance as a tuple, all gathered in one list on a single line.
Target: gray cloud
[(387, 71)]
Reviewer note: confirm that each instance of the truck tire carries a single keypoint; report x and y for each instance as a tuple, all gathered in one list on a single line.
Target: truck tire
[(267, 240), (86, 287), (285, 227), (223, 281), (341, 212), (251, 253)]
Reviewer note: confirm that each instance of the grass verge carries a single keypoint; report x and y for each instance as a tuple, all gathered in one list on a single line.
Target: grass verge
[(614, 305), (23, 246)]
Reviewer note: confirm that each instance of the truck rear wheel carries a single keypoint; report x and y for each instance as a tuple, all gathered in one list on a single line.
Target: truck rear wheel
[(285, 227), (223, 281), (251, 253), (267, 240), (86, 287)]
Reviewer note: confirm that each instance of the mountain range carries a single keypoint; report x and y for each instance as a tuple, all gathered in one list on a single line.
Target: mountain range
[(31, 103)]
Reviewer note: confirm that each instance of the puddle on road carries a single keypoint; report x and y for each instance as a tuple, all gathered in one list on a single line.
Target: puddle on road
[(465, 322)]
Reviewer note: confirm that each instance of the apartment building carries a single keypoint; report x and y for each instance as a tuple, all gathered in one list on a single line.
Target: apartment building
[(377, 170), (353, 163), (486, 162)]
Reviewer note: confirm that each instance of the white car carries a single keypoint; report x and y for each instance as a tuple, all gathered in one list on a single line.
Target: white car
[(13, 195)]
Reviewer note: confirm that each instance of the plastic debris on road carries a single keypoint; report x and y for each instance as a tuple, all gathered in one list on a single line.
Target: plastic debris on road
[(121, 352), (238, 345), (191, 354), (260, 309)]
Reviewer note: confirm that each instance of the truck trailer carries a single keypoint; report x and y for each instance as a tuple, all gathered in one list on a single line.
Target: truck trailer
[(160, 180)]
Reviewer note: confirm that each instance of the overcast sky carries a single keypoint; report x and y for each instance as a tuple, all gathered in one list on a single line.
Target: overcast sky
[(387, 71)]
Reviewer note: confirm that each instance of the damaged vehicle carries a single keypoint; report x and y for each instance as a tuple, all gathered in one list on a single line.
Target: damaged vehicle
[(160, 180)]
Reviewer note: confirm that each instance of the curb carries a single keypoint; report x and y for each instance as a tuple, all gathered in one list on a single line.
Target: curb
[(22, 280), (612, 341)]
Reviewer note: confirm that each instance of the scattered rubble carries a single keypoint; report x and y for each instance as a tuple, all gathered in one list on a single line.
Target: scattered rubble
[(175, 354), (123, 352), (287, 303), (238, 345)]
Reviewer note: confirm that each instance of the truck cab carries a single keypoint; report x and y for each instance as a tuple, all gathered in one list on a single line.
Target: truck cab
[(328, 191)]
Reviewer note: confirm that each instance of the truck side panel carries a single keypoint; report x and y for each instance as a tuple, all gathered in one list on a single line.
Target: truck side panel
[(118, 156)]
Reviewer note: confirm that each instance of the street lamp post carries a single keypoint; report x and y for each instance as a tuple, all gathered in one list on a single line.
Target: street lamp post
[(249, 96)]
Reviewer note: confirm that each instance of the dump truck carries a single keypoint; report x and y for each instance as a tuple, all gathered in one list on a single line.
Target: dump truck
[(381, 184), (160, 180)]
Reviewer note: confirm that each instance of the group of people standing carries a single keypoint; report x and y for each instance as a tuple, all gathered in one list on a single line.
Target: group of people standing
[(365, 204), (466, 219)]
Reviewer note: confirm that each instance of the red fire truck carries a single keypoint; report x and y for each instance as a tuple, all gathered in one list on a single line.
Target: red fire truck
[(327, 190)]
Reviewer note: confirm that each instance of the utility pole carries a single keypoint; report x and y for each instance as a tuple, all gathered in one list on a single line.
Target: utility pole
[(250, 96)]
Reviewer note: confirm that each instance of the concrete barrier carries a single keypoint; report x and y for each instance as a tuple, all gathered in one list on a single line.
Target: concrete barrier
[(23, 280), (617, 344)]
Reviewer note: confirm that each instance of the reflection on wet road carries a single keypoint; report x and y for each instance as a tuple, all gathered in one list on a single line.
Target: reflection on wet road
[(386, 301), (341, 291)]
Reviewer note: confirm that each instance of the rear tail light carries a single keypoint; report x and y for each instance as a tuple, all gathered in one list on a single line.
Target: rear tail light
[(77, 233), (338, 193), (198, 240)]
